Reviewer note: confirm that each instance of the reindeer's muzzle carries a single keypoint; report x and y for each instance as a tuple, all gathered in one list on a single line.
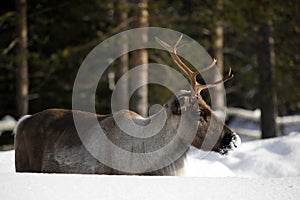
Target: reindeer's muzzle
[(229, 143)]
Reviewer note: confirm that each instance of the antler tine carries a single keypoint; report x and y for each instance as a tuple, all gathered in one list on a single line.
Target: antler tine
[(175, 57), (209, 66), (223, 80), (176, 44), (188, 72)]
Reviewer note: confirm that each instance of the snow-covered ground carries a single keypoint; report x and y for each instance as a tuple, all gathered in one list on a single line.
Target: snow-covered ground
[(277, 157), (262, 169)]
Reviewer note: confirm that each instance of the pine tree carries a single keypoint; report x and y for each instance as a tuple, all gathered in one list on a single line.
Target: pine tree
[(22, 65), (140, 57)]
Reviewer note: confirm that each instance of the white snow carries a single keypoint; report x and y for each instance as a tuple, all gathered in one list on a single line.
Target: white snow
[(277, 157), (262, 169), (72, 187), (246, 122), (7, 123), (7, 162)]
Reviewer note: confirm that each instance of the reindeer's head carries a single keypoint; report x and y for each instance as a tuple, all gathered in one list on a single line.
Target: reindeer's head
[(191, 105)]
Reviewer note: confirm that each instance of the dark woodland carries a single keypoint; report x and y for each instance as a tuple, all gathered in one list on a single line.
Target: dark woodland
[(44, 42)]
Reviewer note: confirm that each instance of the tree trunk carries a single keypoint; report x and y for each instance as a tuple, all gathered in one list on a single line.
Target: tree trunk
[(22, 66), (140, 57), (266, 68), (121, 15), (217, 94)]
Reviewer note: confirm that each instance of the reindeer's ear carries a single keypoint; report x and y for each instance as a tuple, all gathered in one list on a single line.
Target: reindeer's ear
[(180, 105)]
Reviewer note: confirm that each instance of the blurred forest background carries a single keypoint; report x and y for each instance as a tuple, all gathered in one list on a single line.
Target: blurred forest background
[(42, 45)]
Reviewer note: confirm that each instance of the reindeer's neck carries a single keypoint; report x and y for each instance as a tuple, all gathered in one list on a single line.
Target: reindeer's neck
[(170, 135)]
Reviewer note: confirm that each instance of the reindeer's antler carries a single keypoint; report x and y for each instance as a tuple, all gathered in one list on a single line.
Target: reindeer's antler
[(196, 87)]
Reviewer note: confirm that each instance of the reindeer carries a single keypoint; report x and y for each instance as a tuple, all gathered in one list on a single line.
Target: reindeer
[(48, 142)]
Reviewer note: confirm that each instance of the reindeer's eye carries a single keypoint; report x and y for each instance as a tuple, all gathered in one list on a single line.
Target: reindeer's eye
[(201, 112), (198, 113)]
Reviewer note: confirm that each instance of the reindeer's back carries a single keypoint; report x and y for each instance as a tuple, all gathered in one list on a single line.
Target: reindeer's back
[(48, 137)]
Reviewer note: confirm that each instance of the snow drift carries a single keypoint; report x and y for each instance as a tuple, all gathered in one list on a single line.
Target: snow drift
[(277, 157), (263, 169)]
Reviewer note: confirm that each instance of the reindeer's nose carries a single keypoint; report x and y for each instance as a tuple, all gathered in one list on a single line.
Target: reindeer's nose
[(236, 140), (229, 143)]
